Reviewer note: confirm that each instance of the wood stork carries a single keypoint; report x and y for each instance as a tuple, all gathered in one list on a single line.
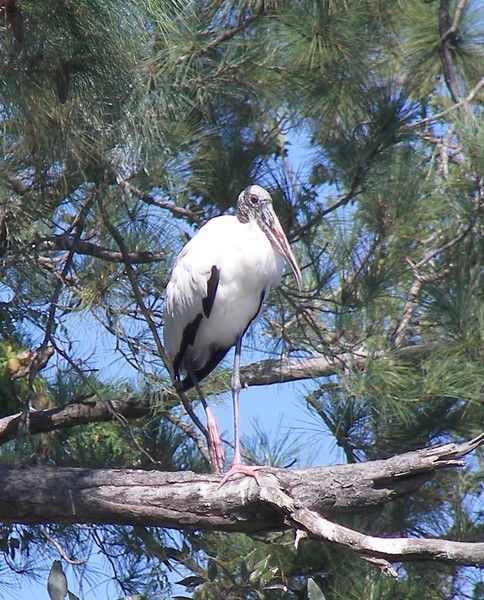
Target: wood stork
[(218, 285)]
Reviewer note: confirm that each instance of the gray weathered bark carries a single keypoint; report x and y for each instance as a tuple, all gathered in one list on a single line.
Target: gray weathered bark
[(285, 498)]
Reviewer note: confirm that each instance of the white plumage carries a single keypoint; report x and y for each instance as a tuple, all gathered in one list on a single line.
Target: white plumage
[(218, 285), (248, 266)]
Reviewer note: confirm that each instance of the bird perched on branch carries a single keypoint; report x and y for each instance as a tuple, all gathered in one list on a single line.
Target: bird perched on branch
[(217, 288)]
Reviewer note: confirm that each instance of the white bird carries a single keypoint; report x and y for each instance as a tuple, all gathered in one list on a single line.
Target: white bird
[(218, 285)]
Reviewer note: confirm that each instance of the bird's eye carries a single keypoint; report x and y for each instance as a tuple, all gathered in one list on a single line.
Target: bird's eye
[(254, 199)]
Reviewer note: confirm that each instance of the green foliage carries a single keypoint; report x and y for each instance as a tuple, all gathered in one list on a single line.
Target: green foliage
[(125, 125)]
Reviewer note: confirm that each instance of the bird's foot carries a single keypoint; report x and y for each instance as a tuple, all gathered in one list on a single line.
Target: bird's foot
[(239, 467), (216, 452)]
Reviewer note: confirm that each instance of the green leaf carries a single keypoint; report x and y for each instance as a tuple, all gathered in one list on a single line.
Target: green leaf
[(57, 582), (212, 570), (192, 581), (314, 592)]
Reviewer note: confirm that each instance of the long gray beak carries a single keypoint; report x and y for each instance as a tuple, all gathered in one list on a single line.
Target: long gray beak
[(278, 239)]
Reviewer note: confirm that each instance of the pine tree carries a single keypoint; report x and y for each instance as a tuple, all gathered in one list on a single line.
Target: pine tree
[(125, 126)]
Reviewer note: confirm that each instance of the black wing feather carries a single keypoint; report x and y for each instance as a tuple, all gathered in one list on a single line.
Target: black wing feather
[(212, 285), (188, 338), (217, 355), (190, 331)]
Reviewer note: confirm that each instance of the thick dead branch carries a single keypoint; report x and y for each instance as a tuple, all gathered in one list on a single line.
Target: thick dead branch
[(76, 413), (285, 499), (283, 370), (389, 549)]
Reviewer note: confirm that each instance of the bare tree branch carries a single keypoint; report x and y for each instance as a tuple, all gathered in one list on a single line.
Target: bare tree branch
[(78, 246), (285, 499), (62, 552), (223, 37), (420, 278), (389, 549), (470, 96), (78, 413), (148, 198), (316, 219), (283, 370)]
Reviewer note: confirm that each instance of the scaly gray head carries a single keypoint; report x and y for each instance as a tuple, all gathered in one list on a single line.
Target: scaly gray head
[(255, 203)]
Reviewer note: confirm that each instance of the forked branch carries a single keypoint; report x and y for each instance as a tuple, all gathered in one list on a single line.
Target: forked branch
[(301, 499)]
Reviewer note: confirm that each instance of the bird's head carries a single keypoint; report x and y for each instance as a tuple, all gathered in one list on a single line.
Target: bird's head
[(255, 203)]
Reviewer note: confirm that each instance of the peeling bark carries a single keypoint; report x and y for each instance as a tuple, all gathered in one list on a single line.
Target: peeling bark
[(285, 499)]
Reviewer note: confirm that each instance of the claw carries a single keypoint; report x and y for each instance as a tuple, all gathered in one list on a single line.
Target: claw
[(250, 470)]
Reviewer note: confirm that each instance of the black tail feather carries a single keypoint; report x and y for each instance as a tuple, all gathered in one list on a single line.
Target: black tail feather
[(215, 358)]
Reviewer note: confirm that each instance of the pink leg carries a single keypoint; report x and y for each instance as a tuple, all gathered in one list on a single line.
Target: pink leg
[(214, 443)]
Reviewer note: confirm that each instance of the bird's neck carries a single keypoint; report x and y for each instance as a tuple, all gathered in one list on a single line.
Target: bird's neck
[(242, 217)]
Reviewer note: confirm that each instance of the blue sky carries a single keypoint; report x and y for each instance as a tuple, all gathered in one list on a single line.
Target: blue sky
[(280, 410)]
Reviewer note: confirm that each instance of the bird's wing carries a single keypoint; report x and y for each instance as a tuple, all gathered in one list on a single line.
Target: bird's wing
[(191, 328), (216, 356), (190, 294)]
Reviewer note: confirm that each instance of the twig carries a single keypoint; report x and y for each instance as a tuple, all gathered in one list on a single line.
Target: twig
[(202, 448), (62, 553), (118, 238), (455, 21), (420, 279), (178, 211), (146, 314), (78, 246), (445, 30), (223, 37), (470, 96), (436, 251), (316, 219), (39, 356)]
